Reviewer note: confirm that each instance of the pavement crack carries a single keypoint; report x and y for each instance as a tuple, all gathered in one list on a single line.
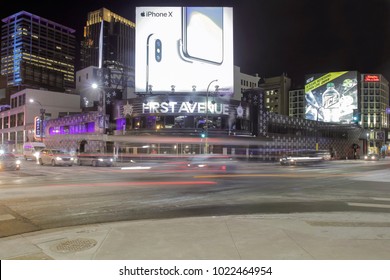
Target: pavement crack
[(231, 236), (297, 243)]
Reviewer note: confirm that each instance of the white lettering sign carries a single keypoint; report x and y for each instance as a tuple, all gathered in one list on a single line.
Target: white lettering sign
[(184, 107)]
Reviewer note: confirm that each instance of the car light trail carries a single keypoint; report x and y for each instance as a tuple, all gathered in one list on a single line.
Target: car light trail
[(136, 168), (273, 175)]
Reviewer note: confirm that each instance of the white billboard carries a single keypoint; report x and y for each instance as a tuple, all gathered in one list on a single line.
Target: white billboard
[(183, 49)]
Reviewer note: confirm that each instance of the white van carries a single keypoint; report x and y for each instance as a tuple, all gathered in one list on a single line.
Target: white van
[(31, 150)]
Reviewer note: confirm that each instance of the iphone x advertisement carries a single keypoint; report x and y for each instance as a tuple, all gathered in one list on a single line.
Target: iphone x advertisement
[(183, 49), (331, 97)]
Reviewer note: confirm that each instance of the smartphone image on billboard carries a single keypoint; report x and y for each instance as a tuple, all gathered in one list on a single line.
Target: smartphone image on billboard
[(202, 34), (158, 76), (153, 55)]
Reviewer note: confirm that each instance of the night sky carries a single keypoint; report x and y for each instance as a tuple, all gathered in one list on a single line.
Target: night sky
[(271, 37)]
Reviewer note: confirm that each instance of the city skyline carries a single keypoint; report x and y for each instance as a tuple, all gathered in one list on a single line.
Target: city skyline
[(272, 37)]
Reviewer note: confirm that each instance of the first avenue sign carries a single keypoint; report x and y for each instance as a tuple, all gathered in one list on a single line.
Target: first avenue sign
[(184, 107)]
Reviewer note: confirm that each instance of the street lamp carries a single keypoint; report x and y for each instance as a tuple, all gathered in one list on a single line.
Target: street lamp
[(42, 117), (207, 116)]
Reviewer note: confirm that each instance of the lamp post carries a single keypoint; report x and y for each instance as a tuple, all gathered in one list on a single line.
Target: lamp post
[(207, 116), (42, 117)]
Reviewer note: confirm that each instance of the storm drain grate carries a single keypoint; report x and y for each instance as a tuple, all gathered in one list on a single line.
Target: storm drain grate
[(75, 245)]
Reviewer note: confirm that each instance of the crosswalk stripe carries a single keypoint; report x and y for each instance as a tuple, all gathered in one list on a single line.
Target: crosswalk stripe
[(368, 205), (6, 217), (380, 198)]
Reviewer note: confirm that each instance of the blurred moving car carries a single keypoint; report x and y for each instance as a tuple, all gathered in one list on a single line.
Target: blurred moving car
[(371, 157), (55, 157), (94, 159), (9, 161), (212, 162), (306, 157), (295, 160)]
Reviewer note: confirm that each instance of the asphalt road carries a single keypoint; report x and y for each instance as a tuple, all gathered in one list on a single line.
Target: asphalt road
[(45, 197)]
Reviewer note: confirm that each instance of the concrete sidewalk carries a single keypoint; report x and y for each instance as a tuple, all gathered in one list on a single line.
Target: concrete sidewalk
[(321, 236)]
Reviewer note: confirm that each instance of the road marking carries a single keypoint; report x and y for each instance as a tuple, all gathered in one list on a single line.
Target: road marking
[(380, 198), (6, 217), (368, 205), (347, 224)]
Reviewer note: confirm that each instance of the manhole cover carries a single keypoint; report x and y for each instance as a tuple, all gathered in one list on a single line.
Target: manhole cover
[(75, 245)]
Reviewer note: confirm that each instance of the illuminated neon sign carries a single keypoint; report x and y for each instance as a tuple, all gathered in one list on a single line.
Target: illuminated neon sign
[(184, 107), (371, 78), (38, 129)]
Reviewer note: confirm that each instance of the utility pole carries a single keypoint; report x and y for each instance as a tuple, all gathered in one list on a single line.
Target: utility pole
[(207, 117)]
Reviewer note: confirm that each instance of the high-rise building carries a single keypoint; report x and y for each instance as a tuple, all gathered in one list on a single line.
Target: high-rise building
[(374, 101), (374, 109), (37, 53), (109, 42)]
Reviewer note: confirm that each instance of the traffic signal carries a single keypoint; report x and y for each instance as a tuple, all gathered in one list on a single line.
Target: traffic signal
[(203, 134)]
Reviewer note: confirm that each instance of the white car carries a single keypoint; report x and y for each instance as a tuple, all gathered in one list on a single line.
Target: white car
[(55, 157), (371, 157), (295, 160)]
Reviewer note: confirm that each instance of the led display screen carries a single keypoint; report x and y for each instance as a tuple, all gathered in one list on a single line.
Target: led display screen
[(183, 49), (331, 97)]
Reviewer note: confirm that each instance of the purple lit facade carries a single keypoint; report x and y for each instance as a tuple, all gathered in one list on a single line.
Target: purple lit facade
[(73, 129), (67, 132)]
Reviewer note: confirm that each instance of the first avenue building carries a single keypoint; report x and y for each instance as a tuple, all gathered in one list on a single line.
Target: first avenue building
[(172, 125)]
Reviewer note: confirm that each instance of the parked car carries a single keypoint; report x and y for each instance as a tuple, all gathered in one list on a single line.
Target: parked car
[(94, 159), (55, 157), (371, 157), (9, 161)]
